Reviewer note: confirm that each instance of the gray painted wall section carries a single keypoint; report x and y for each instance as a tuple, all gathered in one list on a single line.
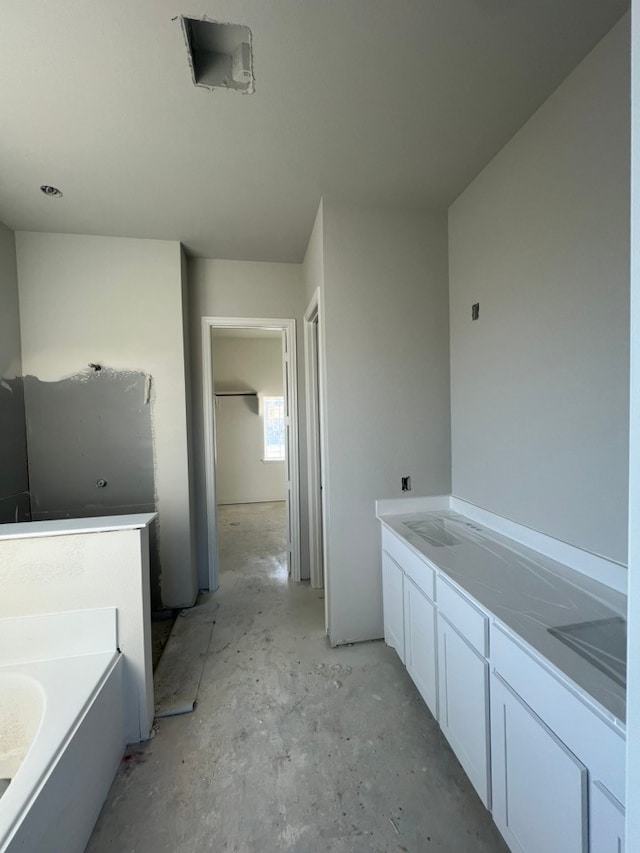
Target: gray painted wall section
[(14, 481), (539, 384)]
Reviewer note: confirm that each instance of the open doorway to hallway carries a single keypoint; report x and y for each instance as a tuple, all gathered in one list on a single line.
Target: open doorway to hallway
[(250, 447), (251, 427)]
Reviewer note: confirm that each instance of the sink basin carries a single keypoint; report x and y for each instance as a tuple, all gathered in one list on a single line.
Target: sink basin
[(602, 642), (434, 531)]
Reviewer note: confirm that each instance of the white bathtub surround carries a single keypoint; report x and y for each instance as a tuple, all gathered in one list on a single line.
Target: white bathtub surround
[(67, 634), (56, 566), (61, 727), (21, 712), (67, 526)]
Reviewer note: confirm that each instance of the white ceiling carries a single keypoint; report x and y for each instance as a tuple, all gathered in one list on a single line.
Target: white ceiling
[(394, 102)]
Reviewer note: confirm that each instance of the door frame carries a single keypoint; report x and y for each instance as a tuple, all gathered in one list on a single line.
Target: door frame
[(314, 475), (315, 389), (289, 362)]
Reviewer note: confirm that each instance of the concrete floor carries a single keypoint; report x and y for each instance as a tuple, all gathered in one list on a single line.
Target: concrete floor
[(293, 746)]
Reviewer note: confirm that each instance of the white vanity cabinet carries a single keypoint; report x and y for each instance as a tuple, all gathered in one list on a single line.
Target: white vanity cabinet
[(420, 643), (409, 614), (548, 761), (393, 604), (463, 684)]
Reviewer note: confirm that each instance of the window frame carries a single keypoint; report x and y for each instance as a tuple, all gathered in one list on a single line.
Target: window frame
[(267, 401)]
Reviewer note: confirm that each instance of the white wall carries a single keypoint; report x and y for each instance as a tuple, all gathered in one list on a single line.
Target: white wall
[(245, 364), (387, 390), (539, 384), (14, 481), (243, 289), (633, 610), (313, 265), (118, 302), (10, 362)]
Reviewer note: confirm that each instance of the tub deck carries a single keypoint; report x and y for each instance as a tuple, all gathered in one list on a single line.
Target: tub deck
[(54, 799)]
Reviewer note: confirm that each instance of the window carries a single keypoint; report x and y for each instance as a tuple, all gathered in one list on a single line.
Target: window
[(273, 411)]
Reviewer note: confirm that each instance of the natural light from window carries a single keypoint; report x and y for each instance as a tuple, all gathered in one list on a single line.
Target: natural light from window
[(273, 413)]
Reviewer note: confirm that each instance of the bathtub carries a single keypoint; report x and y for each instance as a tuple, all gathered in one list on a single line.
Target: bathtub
[(61, 741)]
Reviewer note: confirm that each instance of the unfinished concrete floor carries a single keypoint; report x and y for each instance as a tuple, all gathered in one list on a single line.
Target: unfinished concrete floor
[(293, 746)]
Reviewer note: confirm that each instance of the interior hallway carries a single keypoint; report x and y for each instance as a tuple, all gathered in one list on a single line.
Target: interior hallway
[(293, 745)]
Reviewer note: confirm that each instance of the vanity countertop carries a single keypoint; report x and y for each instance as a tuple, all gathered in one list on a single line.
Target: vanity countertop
[(533, 596)]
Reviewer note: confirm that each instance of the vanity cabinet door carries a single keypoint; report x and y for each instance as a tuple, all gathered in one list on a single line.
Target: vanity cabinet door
[(463, 693), (393, 604), (420, 643), (606, 821), (539, 786)]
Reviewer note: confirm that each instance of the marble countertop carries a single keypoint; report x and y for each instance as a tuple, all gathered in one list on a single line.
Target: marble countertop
[(69, 526), (530, 594)]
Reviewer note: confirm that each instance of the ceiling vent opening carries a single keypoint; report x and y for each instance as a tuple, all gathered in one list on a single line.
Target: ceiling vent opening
[(220, 55), (51, 192)]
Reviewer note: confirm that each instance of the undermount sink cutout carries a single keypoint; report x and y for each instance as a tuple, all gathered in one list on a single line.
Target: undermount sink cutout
[(434, 531), (220, 55), (602, 642)]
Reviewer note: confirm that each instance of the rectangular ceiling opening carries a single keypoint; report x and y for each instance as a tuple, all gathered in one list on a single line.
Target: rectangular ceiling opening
[(220, 55)]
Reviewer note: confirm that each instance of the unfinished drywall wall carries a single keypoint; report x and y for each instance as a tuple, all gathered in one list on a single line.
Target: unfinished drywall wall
[(118, 303), (245, 364), (220, 288), (90, 445), (539, 383), (14, 482), (386, 351)]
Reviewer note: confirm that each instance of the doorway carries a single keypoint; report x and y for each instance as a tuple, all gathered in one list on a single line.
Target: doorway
[(250, 400)]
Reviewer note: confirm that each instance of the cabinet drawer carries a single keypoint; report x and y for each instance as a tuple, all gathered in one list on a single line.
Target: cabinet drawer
[(420, 572), (463, 615)]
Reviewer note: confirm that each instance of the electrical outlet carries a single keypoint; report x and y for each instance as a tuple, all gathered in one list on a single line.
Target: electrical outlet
[(406, 484)]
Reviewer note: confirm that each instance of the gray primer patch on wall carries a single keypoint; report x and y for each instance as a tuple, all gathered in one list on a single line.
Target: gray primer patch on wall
[(91, 449), (14, 478)]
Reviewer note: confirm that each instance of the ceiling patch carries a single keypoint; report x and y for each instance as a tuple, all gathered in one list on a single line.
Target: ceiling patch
[(220, 55)]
